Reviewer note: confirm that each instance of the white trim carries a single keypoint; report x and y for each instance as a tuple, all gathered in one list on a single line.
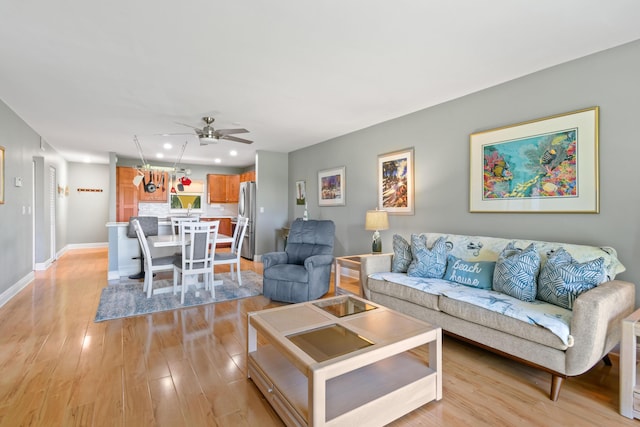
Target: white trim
[(13, 290), (95, 245), (113, 275), (41, 266)]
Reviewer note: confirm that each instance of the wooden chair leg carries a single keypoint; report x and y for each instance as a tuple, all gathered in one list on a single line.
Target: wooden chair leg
[(556, 383), (606, 360)]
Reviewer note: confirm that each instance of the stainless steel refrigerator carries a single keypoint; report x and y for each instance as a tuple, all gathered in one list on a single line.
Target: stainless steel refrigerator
[(247, 208)]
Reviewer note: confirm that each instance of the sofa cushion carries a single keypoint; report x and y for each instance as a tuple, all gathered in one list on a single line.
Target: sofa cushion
[(390, 284), (483, 248), (429, 263), (562, 278), (516, 272), (500, 322), (401, 254), (477, 274)]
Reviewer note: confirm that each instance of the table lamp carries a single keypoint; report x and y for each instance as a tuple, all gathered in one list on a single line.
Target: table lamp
[(376, 220)]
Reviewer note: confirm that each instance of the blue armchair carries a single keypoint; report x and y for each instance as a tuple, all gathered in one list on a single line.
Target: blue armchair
[(302, 272)]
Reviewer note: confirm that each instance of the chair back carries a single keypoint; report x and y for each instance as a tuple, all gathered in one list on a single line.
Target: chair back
[(177, 220), (198, 239), (312, 237), (149, 225), (142, 239), (238, 234)]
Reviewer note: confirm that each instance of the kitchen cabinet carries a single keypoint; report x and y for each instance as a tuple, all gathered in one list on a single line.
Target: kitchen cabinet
[(126, 194), (223, 188), (248, 176), (224, 228), (161, 182)]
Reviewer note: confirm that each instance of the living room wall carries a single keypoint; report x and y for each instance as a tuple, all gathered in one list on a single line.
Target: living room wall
[(440, 136)]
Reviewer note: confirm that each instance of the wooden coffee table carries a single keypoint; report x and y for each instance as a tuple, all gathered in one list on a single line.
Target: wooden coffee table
[(343, 361)]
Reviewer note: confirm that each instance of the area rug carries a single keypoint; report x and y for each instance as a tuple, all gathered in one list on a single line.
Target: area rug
[(125, 298)]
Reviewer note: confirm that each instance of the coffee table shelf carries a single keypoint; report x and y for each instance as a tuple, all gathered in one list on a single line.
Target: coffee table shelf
[(370, 386)]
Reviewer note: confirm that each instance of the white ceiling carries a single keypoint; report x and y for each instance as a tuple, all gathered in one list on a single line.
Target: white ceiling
[(90, 75)]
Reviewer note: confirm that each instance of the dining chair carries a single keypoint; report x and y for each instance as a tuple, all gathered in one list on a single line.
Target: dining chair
[(196, 257), (177, 220), (152, 265), (233, 257)]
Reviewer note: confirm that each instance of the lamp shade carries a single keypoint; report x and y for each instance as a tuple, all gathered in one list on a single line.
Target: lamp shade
[(376, 220)]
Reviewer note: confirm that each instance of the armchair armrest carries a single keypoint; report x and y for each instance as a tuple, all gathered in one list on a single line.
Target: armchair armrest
[(370, 264), (274, 258), (315, 261)]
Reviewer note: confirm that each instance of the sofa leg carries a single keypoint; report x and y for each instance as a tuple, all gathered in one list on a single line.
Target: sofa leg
[(606, 360), (556, 383)]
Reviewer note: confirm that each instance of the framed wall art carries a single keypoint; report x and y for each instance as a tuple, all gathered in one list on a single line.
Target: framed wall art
[(395, 182), (1, 175), (331, 187), (301, 193), (542, 166)]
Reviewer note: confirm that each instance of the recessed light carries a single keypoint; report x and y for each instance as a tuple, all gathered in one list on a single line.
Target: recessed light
[(160, 155), (233, 152), (217, 160), (167, 146)]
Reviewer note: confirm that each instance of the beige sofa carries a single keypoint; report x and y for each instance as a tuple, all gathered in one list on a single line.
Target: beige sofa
[(593, 324)]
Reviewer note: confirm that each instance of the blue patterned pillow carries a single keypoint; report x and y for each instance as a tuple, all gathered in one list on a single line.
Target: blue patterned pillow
[(476, 274), (401, 254), (516, 272), (429, 263), (563, 278)]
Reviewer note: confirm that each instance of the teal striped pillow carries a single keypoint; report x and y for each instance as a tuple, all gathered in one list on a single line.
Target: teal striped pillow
[(516, 272), (563, 279), (429, 263)]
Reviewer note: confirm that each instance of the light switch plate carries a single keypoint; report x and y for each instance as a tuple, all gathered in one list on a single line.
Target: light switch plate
[(18, 181)]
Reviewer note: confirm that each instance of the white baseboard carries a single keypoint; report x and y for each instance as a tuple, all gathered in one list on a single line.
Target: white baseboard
[(113, 275), (13, 290), (41, 266), (87, 245)]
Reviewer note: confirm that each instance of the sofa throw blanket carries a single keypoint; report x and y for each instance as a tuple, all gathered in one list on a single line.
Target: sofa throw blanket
[(555, 319)]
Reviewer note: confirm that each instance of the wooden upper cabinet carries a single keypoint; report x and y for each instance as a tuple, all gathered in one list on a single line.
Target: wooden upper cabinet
[(248, 176), (223, 188), (233, 188), (162, 185), (126, 194)]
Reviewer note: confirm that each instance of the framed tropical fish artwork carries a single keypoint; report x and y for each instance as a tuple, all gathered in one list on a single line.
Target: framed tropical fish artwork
[(544, 165)]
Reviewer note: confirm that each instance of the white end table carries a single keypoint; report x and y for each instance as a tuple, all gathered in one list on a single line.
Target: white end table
[(629, 381)]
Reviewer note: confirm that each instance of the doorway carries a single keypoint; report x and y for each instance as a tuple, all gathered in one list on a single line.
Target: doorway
[(52, 211)]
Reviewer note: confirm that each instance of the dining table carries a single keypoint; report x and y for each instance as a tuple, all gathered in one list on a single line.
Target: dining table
[(169, 240)]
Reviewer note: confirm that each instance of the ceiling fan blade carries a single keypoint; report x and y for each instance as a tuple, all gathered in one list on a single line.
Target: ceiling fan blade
[(189, 126), (223, 132), (233, 138)]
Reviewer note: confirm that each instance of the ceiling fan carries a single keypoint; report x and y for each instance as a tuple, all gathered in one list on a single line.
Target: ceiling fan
[(209, 135)]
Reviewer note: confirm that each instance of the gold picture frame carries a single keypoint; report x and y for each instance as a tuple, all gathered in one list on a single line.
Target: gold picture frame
[(1, 175), (547, 165)]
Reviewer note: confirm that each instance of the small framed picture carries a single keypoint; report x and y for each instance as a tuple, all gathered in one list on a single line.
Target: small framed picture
[(301, 193), (395, 182), (331, 187)]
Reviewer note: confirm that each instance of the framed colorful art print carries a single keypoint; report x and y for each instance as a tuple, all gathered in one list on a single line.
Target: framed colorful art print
[(395, 182), (331, 187), (548, 165)]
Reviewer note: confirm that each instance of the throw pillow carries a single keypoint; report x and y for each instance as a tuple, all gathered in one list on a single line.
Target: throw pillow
[(429, 263), (401, 254), (563, 278), (516, 272), (477, 274)]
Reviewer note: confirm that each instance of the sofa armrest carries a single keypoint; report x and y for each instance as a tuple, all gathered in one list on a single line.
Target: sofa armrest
[(596, 323), (370, 264), (274, 258)]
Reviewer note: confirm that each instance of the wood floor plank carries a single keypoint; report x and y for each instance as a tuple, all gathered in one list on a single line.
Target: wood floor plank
[(188, 367)]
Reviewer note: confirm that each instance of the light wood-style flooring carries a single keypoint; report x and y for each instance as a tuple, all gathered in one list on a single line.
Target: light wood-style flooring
[(187, 367)]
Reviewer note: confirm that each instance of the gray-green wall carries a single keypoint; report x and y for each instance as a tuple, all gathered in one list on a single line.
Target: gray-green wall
[(440, 136)]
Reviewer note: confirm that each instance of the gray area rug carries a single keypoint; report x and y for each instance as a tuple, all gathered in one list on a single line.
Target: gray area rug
[(125, 298)]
